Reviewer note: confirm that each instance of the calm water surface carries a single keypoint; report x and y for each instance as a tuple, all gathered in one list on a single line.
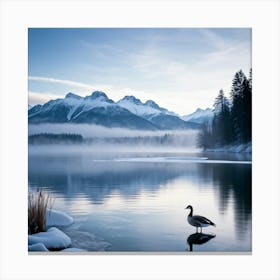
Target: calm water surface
[(135, 201)]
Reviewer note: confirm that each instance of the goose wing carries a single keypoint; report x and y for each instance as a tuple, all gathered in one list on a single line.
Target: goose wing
[(203, 220)]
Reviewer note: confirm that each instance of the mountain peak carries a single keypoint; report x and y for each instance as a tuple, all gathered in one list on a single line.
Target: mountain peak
[(133, 99), (72, 95), (199, 110), (152, 104), (97, 94)]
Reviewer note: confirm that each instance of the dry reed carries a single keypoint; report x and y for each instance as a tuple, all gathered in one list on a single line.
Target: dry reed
[(38, 202)]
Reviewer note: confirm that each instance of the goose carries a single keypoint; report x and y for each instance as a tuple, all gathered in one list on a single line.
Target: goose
[(199, 238), (198, 221)]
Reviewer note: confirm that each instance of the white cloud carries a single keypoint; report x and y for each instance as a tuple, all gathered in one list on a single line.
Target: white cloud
[(59, 81), (214, 39), (35, 98), (213, 70)]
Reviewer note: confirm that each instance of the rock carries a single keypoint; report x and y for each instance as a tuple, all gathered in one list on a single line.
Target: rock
[(38, 247), (52, 239)]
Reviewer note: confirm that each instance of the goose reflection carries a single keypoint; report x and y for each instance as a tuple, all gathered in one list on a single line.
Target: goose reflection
[(199, 238)]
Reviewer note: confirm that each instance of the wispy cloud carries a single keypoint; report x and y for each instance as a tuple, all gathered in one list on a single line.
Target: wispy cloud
[(35, 98), (64, 82), (212, 38), (114, 92), (214, 67)]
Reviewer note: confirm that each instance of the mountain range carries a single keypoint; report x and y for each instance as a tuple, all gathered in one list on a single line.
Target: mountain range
[(129, 112)]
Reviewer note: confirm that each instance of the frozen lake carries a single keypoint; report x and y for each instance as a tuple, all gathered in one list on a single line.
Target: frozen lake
[(135, 201)]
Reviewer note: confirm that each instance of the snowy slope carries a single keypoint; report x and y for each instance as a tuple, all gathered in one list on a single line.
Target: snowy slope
[(97, 99), (63, 109), (161, 117), (135, 106), (200, 116)]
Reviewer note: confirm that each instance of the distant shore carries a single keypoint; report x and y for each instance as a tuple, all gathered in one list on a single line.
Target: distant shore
[(238, 148)]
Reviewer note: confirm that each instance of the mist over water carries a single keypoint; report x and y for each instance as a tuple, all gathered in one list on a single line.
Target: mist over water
[(91, 130), (101, 139)]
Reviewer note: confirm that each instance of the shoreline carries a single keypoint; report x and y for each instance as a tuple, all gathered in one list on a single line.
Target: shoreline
[(238, 149)]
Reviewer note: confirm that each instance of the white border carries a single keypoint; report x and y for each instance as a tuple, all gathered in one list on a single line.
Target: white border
[(262, 16)]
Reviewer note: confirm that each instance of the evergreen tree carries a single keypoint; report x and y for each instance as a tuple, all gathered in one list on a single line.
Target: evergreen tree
[(247, 99), (232, 122), (222, 126), (250, 79), (239, 85)]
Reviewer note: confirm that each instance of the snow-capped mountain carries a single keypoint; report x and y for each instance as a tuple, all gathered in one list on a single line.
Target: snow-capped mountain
[(200, 116), (157, 115), (94, 109), (138, 108), (97, 108)]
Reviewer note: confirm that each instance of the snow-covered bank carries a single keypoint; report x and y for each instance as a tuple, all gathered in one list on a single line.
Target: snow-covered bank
[(53, 238), (57, 218), (37, 247), (239, 148), (68, 240)]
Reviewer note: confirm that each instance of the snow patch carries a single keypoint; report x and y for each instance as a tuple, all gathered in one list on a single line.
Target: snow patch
[(174, 160), (147, 109), (52, 239), (57, 218), (73, 250), (138, 109), (199, 116), (38, 247), (238, 148)]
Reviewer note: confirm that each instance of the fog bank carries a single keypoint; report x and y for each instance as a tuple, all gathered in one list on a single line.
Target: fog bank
[(101, 139), (91, 131)]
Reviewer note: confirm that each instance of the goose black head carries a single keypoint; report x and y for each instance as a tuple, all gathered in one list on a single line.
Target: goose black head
[(189, 207)]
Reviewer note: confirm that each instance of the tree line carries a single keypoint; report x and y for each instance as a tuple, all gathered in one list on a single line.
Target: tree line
[(51, 138), (232, 122), (67, 138)]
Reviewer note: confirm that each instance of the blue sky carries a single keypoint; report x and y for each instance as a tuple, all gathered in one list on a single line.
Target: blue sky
[(179, 68)]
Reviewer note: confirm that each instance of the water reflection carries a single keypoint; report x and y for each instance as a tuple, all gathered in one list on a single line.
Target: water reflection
[(198, 238), (150, 194), (235, 185)]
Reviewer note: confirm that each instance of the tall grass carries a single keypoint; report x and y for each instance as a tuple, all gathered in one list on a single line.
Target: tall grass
[(38, 202)]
